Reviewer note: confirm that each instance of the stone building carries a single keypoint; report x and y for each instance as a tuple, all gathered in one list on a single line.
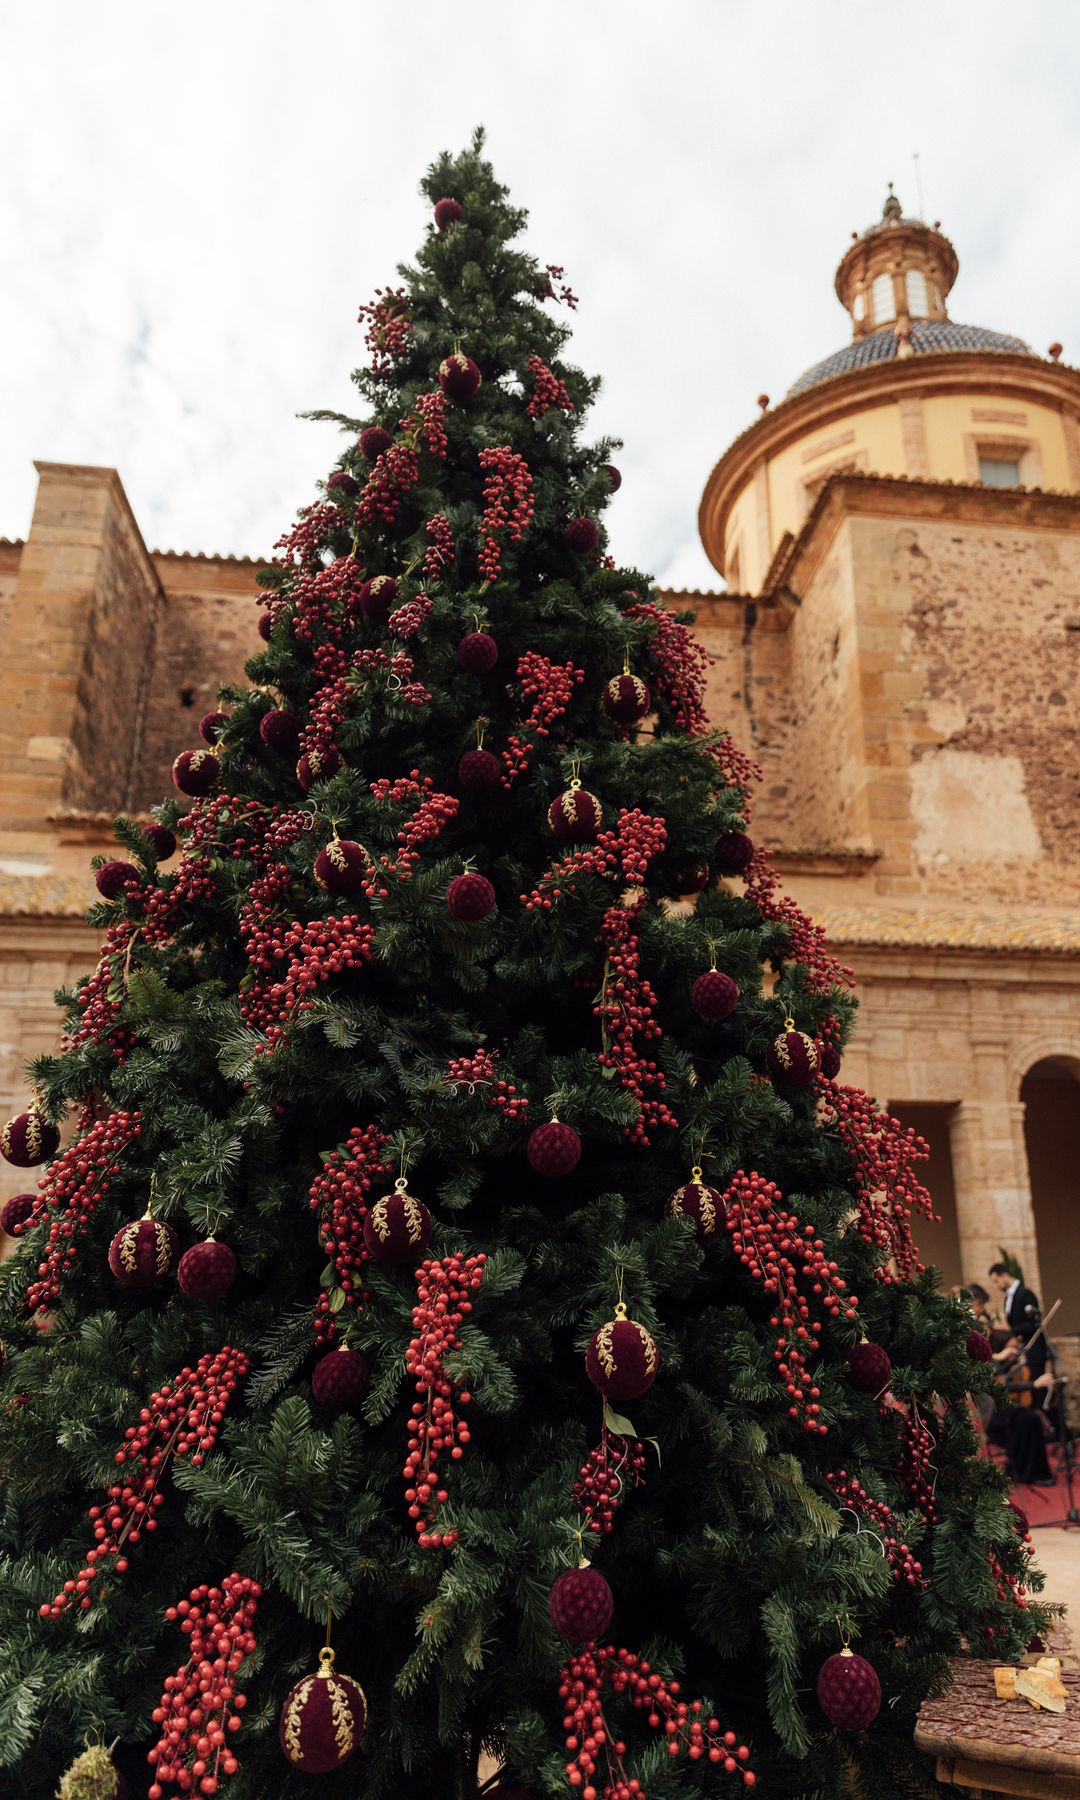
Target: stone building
[(896, 644)]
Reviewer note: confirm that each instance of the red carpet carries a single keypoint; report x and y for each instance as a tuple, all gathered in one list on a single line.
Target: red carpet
[(1048, 1505)]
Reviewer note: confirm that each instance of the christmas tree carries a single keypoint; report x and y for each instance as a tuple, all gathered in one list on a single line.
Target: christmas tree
[(466, 1260)]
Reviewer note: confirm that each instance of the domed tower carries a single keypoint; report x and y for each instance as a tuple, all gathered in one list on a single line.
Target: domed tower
[(913, 393), (898, 645)]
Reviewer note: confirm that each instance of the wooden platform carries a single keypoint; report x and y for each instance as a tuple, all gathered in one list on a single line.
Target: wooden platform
[(986, 1746)]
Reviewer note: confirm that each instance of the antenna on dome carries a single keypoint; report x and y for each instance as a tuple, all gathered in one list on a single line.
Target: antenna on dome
[(918, 183)]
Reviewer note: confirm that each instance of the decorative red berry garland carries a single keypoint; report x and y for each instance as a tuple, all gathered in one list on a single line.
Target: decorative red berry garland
[(387, 327), (889, 1191), (443, 1288), (548, 390), (850, 1492), (71, 1191), (339, 1197), (508, 506), (612, 1468), (200, 1710), (625, 1007), (683, 665)]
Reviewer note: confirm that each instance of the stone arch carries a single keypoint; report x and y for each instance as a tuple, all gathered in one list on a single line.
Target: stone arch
[(1052, 1047), (1049, 1091)]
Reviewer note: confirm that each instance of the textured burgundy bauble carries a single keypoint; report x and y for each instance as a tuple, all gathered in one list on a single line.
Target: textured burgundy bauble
[(576, 816), (266, 626), (714, 995), (280, 729), (143, 1252), (377, 598), (554, 1149), (613, 475), (196, 772), (849, 1691), (478, 770), (15, 1212), (792, 1059), (702, 1204), (341, 482), (459, 376), (29, 1139), (869, 1368), (207, 1271), (470, 897), (397, 1230), (341, 1379), (322, 1721), (163, 840), (582, 534), (211, 726), (734, 853), (112, 877), (978, 1347), (317, 765), (477, 653), (581, 1605), (373, 441), (829, 1061), (447, 212), (341, 867), (622, 1360), (626, 699)]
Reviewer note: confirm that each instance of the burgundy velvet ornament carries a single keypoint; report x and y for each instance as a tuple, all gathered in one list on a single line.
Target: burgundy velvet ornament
[(553, 1149), (714, 995), (623, 1359), (377, 597), (342, 866), (613, 475), (15, 1212), (576, 816), (29, 1139), (112, 877), (626, 698), (459, 376), (211, 726), (702, 1204), (447, 212), (341, 1379), (479, 770), (323, 1718), (207, 1271), (829, 1061), (792, 1058), (373, 441), (869, 1368), (470, 897), (317, 765), (978, 1347), (582, 535), (143, 1252), (341, 482), (280, 729), (581, 1605), (163, 840), (849, 1691), (477, 653), (734, 853), (196, 772), (266, 626), (397, 1229)]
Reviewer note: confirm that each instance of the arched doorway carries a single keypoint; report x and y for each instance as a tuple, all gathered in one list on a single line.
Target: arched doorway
[(1050, 1092)]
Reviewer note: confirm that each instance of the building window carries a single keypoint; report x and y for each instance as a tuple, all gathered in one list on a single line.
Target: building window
[(918, 300), (997, 471), (883, 301), (859, 307)]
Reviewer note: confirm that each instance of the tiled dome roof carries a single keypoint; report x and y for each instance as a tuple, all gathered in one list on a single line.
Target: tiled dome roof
[(926, 335)]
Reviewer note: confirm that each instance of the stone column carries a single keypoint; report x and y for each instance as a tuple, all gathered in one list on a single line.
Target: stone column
[(993, 1191)]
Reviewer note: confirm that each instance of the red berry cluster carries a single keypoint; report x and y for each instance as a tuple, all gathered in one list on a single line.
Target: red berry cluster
[(550, 687), (101, 995), (427, 423), (182, 1419), (806, 940), (439, 555), (433, 812), (508, 505), (302, 545), (407, 620), (597, 1754), (915, 1470), (682, 662), (399, 668), (387, 327), (557, 288), (442, 1303), (338, 1195), (312, 953), (325, 602), (200, 1710), (851, 1493), (612, 1468), (625, 1007), (479, 1070), (777, 1251), (548, 391), (71, 1191), (394, 474), (622, 854), (889, 1191), (1007, 1585)]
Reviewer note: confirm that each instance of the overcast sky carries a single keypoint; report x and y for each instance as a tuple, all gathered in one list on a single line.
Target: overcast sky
[(194, 200)]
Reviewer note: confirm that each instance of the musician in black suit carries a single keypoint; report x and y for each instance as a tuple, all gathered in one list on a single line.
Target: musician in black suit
[(1023, 1317)]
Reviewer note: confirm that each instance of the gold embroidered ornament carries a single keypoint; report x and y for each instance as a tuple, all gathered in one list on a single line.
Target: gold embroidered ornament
[(323, 1718)]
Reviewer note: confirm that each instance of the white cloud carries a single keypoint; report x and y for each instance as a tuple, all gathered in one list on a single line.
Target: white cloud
[(194, 203)]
